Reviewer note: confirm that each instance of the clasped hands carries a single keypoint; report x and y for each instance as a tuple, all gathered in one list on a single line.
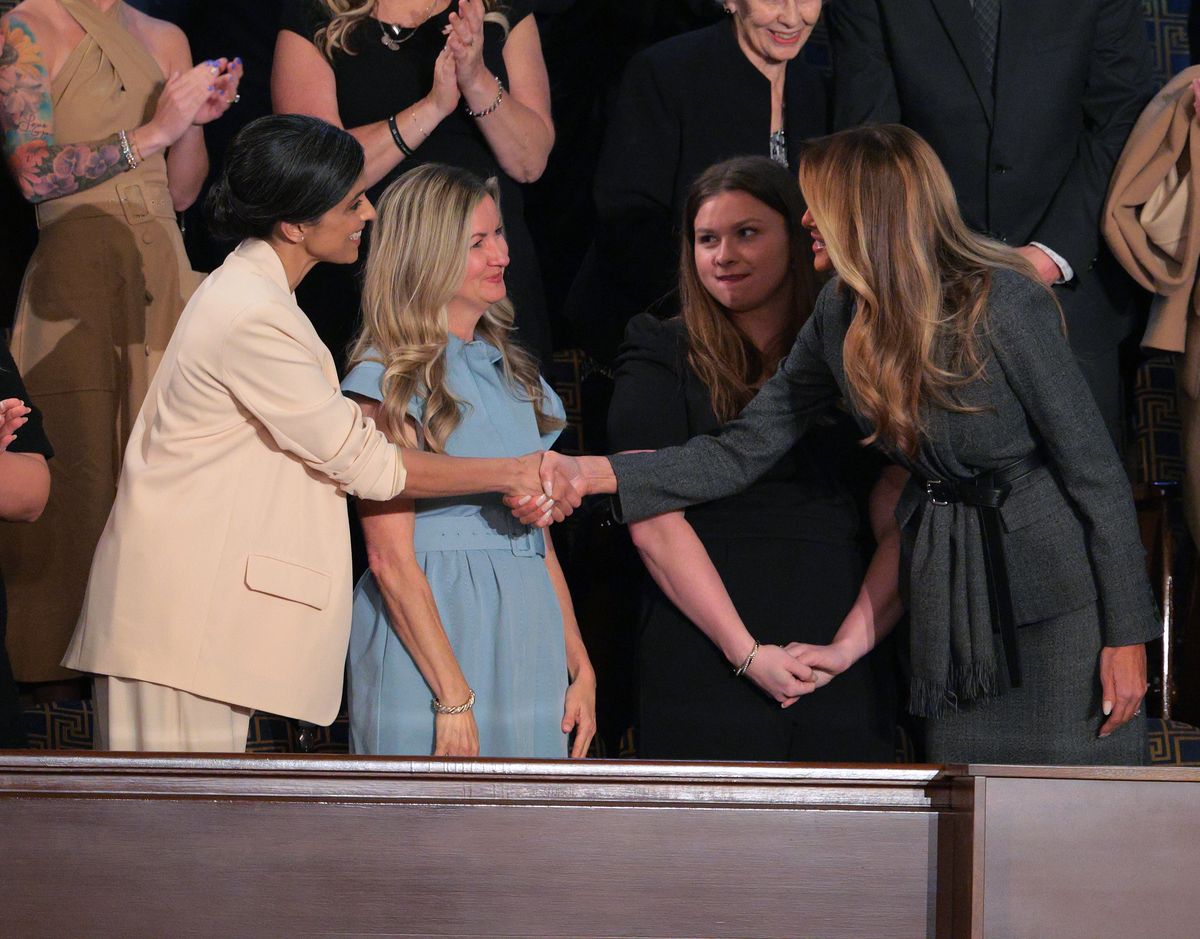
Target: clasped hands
[(787, 673)]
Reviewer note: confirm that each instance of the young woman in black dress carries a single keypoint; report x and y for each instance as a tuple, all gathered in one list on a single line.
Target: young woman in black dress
[(778, 563), (460, 82)]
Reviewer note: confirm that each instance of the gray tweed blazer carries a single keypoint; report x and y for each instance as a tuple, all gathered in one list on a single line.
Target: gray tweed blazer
[(1070, 532)]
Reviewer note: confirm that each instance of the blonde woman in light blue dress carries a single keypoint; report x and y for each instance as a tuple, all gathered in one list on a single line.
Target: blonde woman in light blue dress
[(464, 641)]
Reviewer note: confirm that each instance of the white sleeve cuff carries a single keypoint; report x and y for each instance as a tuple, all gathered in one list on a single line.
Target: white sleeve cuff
[(1064, 267)]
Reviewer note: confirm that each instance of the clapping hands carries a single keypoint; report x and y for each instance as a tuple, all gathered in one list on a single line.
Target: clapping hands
[(197, 96), (464, 41)]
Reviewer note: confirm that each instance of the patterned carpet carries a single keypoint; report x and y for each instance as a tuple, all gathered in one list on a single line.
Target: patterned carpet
[(68, 726)]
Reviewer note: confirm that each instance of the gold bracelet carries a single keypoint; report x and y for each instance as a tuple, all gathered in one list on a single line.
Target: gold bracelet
[(440, 708), (741, 669)]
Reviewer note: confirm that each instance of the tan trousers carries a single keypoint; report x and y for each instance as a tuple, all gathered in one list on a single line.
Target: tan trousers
[(136, 715)]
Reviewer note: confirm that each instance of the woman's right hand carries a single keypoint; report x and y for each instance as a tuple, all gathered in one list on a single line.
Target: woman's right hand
[(444, 95), (780, 675), (182, 98), (539, 497), (826, 662), (455, 735), (13, 416)]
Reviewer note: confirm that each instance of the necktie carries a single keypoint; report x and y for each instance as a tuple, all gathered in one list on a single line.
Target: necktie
[(987, 19)]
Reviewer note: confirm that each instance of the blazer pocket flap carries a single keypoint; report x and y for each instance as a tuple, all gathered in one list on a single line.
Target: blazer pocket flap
[(289, 581)]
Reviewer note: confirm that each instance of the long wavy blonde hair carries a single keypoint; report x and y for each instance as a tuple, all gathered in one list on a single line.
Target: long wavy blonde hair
[(348, 14), (920, 277), (417, 262), (726, 362)]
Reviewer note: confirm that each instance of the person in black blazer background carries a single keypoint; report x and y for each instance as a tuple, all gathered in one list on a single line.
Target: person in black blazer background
[(1028, 104), (686, 103)]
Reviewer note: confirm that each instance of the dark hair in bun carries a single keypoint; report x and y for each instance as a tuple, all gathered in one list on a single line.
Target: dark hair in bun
[(281, 168)]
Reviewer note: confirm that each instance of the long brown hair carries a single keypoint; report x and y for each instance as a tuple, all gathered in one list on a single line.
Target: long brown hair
[(417, 261), (724, 360), (921, 278), (348, 14)]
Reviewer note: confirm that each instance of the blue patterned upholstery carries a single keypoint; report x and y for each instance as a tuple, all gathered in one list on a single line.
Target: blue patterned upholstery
[(1173, 743)]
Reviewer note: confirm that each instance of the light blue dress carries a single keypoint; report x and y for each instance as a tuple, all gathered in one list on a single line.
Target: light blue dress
[(488, 575)]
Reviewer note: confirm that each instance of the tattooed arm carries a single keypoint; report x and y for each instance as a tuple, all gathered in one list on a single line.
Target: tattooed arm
[(45, 169)]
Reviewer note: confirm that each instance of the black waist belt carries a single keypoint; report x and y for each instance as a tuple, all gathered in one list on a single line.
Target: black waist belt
[(986, 493)]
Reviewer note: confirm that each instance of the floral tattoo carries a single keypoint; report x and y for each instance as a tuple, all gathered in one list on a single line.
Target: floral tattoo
[(42, 168)]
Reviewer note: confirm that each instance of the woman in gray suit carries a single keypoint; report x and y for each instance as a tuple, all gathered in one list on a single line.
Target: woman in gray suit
[(1021, 562)]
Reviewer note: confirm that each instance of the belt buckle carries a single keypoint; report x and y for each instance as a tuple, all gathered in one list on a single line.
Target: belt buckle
[(932, 489), (134, 203), (523, 545)]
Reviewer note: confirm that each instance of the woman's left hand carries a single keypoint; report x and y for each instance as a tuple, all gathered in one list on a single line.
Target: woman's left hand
[(579, 712), (13, 415), (464, 39), (226, 76), (1122, 684)]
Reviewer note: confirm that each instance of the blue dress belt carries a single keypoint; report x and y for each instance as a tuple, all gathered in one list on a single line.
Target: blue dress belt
[(986, 492)]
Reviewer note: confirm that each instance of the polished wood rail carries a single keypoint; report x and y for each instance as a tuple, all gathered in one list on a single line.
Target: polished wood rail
[(112, 845)]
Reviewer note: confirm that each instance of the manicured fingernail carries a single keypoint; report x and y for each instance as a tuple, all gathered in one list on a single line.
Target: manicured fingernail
[(547, 487), (210, 87), (523, 500), (541, 500), (1107, 708), (237, 60), (1105, 734)]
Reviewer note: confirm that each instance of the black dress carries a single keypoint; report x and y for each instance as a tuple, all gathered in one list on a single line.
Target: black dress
[(372, 85), (791, 542), (31, 438)]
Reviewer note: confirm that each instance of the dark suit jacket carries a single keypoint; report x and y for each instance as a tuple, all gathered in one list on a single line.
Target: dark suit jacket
[(1032, 161), (685, 104), (1070, 535)]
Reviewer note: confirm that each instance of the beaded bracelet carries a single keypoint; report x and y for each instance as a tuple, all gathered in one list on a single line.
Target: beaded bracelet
[(126, 150), (744, 667), (440, 708), (491, 107)]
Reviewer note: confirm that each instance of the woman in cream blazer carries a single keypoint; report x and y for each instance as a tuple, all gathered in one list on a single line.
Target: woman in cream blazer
[(221, 583)]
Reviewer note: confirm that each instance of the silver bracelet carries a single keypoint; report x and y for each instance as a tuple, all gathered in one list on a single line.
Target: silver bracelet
[(491, 107), (127, 150), (440, 708), (742, 669)]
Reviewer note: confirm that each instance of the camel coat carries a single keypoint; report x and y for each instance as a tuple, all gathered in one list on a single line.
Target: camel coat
[(224, 569), (1152, 223)]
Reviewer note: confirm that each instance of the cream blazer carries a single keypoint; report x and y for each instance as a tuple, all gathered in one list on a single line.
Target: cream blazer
[(224, 569)]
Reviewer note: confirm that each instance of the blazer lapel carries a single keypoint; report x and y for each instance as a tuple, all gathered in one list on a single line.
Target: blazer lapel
[(959, 23)]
